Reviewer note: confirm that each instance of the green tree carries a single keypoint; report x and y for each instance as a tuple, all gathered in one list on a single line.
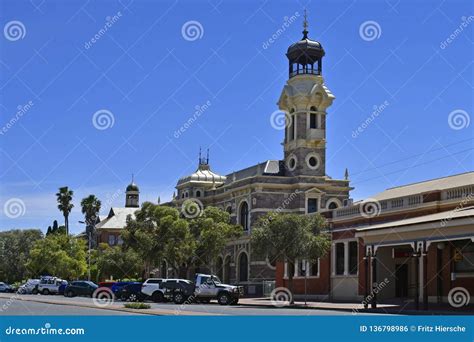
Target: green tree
[(60, 255), (288, 237), (64, 199), (212, 230), (90, 207), (150, 231), (48, 231), (116, 262), (15, 248)]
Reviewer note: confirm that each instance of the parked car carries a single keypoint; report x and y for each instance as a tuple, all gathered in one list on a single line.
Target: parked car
[(152, 288), (29, 287), (205, 288), (131, 292), (51, 285), (4, 287), (80, 288), (107, 284)]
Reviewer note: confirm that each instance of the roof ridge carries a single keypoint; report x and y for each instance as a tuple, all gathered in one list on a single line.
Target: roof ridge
[(429, 180)]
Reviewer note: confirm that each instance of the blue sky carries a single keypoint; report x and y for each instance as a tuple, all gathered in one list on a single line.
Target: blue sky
[(149, 77)]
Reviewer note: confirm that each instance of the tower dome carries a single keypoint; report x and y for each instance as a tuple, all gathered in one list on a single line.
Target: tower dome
[(305, 56), (132, 195)]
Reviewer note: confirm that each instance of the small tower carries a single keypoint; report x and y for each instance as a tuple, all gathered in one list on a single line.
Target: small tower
[(304, 100), (132, 195)]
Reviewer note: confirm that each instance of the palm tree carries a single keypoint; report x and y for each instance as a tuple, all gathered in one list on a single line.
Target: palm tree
[(64, 198), (90, 208)]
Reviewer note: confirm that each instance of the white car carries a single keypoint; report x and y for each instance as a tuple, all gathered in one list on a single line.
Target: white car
[(50, 285), (29, 287), (152, 288)]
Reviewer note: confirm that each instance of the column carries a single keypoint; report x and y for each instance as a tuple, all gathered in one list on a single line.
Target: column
[(366, 286), (374, 282), (425, 276), (333, 259), (346, 257)]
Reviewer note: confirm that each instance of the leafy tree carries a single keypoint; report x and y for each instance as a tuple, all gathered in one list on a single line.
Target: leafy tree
[(90, 207), (149, 232), (15, 248), (287, 237), (60, 255), (212, 231), (54, 230), (48, 232), (160, 232), (116, 262), (64, 199)]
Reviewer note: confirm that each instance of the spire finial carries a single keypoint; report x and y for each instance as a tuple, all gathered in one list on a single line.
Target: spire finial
[(207, 159), (346, 174), (132, 178), (305, 25), (199, 154)]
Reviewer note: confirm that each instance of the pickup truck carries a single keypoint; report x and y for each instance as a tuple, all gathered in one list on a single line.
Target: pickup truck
[(204, 288), (51, 285)]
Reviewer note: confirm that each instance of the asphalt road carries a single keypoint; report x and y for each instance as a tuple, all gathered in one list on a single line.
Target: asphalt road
[(28, 308), (65, 306)]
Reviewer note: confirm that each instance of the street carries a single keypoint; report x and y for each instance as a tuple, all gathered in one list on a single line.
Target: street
[(59, 305)]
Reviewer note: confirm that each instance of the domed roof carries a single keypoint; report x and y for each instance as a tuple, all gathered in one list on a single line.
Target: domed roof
[(203, 175), (305, 51), (132, 187)]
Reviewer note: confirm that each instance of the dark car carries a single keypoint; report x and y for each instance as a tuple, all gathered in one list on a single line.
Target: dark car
[(80, 288), (131, 292), (6, 288), (119, 285)]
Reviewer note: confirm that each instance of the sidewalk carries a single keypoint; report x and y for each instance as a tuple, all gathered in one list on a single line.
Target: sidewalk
[(358, 308)]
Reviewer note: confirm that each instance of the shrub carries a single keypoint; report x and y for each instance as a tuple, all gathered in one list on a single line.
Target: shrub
[(137, 306)]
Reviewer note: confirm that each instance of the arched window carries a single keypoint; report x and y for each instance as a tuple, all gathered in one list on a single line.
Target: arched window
[(198, 193), (244, 216), (220, 268), (243, 267), (332, 205), (229, 210)]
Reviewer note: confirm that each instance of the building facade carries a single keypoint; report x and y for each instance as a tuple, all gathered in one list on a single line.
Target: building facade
[(296, 184), (413, 243)]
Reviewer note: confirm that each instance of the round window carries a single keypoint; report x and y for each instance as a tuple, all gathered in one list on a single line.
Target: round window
[(312, 160), (291, 163)]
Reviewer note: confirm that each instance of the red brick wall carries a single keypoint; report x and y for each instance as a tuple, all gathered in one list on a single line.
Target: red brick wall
[(313, 285)]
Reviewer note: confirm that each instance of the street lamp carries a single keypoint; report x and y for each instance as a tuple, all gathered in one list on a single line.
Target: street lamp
[(89, 238)]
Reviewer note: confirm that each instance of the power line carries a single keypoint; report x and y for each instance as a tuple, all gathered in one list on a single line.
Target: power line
[(413, 166), (410, 157)]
